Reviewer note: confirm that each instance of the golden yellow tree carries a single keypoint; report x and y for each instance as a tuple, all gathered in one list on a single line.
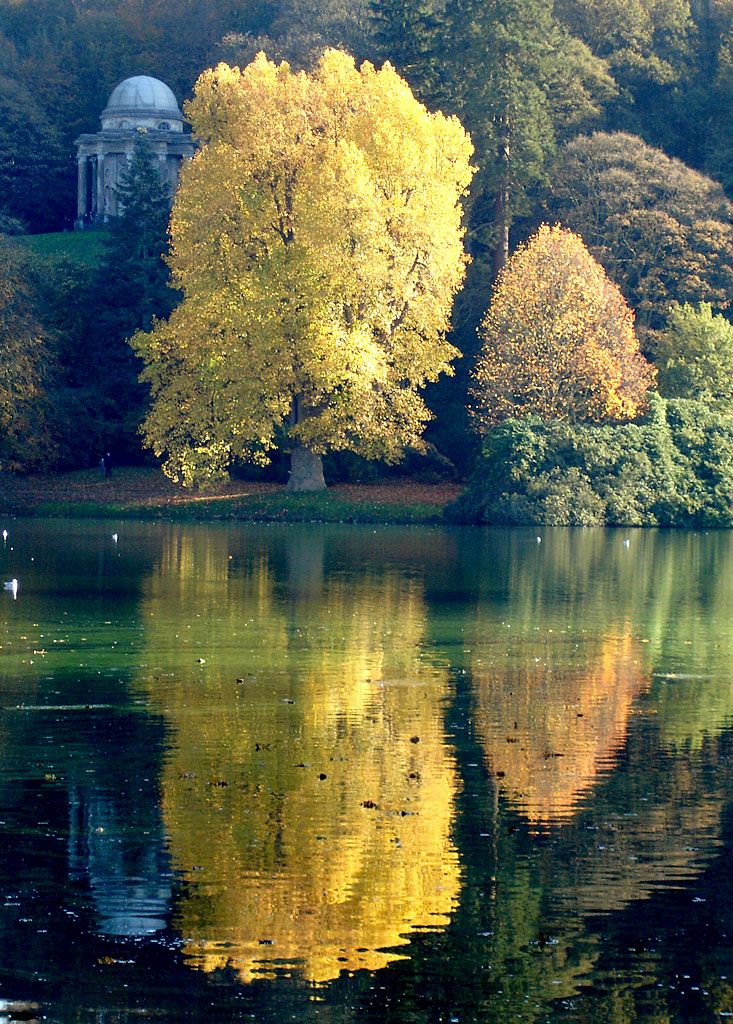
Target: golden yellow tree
[(317, 241), (559, 340)]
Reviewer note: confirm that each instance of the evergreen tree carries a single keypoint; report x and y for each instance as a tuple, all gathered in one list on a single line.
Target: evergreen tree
[(129, 291), (134, 270), (520, 82), (407, 34)]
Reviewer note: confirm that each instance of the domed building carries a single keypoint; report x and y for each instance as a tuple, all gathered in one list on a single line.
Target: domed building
[(138, 104)]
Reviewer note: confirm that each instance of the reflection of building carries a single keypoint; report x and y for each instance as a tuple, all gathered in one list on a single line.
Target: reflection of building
[(137, 104), (125, 864)]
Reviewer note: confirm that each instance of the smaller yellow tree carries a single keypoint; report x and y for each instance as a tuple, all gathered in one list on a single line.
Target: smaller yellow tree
[(558, 340)]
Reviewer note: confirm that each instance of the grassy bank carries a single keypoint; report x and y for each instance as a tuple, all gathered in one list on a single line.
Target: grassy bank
[(81, 246), (146, 494)]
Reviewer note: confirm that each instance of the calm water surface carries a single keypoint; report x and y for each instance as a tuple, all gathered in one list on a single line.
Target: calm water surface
[(353, 775)]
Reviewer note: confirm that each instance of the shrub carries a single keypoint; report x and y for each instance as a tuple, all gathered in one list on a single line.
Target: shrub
[(673, 468)]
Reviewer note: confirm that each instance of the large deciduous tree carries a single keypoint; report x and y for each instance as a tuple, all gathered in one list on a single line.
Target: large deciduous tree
[(317, 240), (662, 231), (559, 340)]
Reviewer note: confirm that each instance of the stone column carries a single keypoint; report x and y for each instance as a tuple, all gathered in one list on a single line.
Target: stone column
[(81, 190), (93, 205), (100, 187), (163, 169)]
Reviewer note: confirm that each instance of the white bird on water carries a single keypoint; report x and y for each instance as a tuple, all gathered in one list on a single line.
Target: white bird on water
[(5, 535), (114, 537), (12, 586)]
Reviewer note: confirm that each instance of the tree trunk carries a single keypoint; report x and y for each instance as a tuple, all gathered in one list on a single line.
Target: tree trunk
[(501, 214), (306, 470), (501, 200)]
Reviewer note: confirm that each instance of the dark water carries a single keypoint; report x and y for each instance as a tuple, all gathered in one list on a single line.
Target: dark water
[(347, 775)]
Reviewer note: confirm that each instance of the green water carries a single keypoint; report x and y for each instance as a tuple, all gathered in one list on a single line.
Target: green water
[(343, 774)]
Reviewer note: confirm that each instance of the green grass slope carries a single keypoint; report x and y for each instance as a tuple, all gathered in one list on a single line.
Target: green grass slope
[(81, 246)]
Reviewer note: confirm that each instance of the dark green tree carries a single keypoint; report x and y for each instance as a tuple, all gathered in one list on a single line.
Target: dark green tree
[(32, 184), (408, 34), (134, 273), (521, 82), (95, 311), (132, 288)]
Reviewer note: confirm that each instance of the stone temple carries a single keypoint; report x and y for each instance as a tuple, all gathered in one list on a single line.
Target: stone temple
[(137, 104)]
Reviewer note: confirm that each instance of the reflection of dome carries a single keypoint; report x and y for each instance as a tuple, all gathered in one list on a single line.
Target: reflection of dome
[(142, 102)]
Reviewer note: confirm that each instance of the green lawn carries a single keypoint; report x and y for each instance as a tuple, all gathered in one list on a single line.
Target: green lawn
[(275, 508), (82, 246), (145, 493)]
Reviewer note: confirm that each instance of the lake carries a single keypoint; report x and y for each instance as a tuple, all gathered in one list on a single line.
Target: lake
[(346, 774)]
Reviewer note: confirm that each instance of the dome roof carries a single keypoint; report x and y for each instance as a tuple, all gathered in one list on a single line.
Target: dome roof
[(142, 97)]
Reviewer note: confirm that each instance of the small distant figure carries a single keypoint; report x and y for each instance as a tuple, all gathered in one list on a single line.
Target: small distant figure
[(107, 464)]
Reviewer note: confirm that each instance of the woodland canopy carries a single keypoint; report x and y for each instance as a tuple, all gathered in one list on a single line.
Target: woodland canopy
[(612, 118)]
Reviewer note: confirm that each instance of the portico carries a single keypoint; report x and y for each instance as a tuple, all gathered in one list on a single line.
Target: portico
[(139, 104)]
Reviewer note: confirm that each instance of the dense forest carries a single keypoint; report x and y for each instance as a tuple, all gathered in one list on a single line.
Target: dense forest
[(613, 118)]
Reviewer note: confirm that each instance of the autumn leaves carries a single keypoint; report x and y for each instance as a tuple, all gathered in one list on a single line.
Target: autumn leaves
[(317, 241), (559, 340), (318, 244)]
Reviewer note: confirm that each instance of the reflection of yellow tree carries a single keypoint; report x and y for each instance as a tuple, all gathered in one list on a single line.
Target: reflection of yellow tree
[(549, 728), (309, 807)]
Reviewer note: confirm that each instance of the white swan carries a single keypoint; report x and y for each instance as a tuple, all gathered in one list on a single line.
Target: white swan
[(12, 586)]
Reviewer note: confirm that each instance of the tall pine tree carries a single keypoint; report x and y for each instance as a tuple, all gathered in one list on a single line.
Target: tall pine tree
[(520, 82), (407, 33), (130, 290)]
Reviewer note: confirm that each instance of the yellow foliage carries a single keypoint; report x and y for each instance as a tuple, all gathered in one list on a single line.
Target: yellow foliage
[(559, 339), (549, 731), (317, 240), (309, 810)]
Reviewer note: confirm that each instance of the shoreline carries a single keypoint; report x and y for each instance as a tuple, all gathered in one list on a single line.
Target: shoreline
[(144, 493)]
